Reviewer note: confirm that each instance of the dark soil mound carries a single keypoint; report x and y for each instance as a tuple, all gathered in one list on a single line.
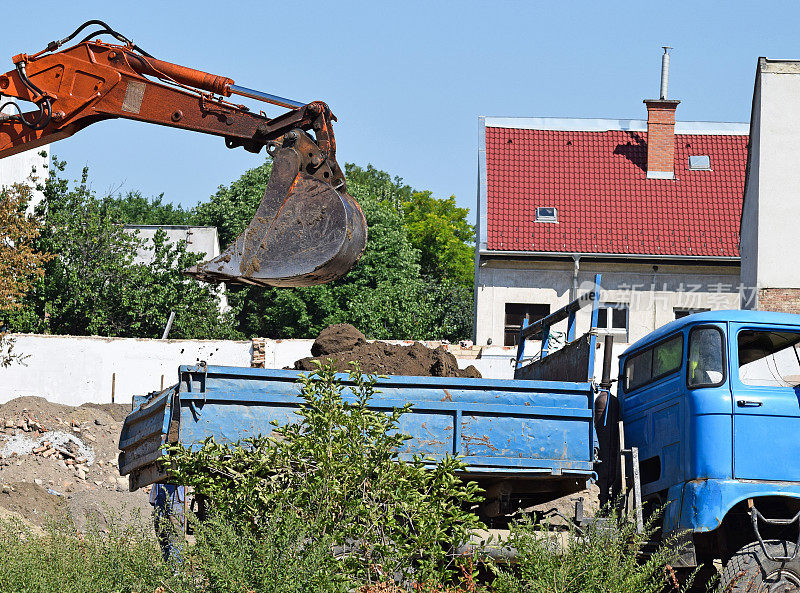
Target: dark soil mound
[(340, 337), (380, 358)]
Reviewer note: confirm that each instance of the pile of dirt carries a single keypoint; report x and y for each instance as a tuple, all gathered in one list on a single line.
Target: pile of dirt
[(57, 459), (343, 344), (32, 502), (340, 337)]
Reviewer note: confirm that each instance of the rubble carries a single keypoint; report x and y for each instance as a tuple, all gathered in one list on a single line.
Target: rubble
[(65, 461)]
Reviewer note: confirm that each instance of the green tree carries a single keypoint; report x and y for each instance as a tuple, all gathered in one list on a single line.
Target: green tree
[(95, 287), (379, 184), (21, 264), (439, 229), (232, 207), (157, 287), (386, 295), (134, 208), (388, 260), (338, 467)]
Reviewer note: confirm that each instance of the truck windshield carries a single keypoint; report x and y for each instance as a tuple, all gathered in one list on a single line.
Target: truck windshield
[(769, 358), (705, 357)]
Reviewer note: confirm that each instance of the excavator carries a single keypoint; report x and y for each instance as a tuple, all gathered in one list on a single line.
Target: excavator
[(307, 229)]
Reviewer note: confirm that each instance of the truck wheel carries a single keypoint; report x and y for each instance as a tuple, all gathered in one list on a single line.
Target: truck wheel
[(750, 570)]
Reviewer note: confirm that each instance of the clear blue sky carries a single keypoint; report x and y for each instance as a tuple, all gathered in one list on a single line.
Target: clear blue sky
[(409, 79)]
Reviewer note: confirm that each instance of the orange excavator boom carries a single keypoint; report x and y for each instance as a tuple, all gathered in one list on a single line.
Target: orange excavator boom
[(307, 229)]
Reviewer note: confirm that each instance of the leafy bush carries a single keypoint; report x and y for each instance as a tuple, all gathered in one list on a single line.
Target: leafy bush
[(604, 558), (338, 468)]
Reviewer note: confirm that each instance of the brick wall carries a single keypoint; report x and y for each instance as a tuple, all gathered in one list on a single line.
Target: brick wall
[(784, 300), (661, 135), (259, 353)]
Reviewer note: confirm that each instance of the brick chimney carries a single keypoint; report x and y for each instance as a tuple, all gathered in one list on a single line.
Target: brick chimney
[(661, 128), (661, 138)]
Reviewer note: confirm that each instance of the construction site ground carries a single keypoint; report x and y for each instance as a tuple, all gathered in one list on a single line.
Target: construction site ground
[(58, 460)]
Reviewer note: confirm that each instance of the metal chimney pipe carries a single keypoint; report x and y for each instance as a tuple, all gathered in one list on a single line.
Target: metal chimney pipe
[(665, 71)]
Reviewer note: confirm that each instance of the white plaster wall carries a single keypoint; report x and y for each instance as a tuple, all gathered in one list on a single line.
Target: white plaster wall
[(199, 239), (748, 227), (74, 370), (772, 199)]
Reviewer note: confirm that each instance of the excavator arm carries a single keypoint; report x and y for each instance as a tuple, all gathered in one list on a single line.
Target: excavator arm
[(307, 229)]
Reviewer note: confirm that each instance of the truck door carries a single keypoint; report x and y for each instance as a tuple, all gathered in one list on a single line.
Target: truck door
[(765, 386)]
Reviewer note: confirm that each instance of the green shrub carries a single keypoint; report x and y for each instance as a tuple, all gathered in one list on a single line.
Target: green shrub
[(338, 468), (603, 558)]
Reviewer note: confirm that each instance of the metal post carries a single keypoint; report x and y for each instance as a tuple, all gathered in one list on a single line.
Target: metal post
[(545, 340), (113, 385), (637, 490), (571, 327), (608, 355), (623, 481), (521, 345), (169, 325)]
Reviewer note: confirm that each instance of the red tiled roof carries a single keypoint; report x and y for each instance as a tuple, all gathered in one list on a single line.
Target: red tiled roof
[(597, 181)]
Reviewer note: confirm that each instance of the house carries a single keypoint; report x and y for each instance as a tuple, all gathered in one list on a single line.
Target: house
[(653, 205), (199, 239), (771, 202), (25, 167)]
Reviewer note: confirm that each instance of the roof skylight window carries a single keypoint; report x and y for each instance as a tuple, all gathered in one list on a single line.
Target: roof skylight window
[(546, 214), (700, 162)]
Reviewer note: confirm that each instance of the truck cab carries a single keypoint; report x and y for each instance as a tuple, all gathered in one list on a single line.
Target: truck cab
[(712, 402)]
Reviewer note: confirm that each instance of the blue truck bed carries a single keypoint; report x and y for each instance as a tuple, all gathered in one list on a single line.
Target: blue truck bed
[(503, 428)]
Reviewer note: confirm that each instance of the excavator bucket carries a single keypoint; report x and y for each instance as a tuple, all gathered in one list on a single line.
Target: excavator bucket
[(305, 232)]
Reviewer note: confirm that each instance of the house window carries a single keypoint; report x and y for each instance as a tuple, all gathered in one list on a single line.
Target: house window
[(680, 313), (515, 313), (700, 162), (613, 318), (546, 214)]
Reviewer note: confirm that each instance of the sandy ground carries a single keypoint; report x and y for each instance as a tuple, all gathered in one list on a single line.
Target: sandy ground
[(56, 459)]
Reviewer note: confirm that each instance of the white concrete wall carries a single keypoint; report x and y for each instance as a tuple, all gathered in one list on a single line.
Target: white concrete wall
[(74, 370), (78, 369), (772, 196)]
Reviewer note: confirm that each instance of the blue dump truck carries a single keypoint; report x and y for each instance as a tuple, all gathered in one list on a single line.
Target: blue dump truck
[(705, 424)]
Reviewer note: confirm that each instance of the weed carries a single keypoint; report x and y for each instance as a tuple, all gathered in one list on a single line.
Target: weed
[(64, 560), (605, 557)]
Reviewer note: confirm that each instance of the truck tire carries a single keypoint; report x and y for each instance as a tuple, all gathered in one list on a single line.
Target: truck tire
[(751, 570)]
